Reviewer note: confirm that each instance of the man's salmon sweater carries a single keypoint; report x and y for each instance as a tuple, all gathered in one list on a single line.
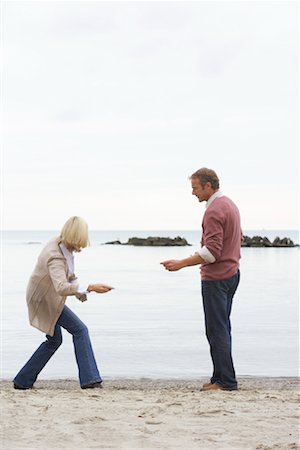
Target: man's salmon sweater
[(222, 236)]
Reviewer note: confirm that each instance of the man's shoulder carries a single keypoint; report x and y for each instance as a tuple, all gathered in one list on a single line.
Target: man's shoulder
[(223, 200), (217, 203), (220, 206)]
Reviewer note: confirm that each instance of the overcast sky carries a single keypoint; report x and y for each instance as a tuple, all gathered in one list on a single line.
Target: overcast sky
[(110, 106)]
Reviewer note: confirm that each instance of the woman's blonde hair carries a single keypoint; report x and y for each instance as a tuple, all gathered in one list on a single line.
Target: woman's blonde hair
[(75, 233)]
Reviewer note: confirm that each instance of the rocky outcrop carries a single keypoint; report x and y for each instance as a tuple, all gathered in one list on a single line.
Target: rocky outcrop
[(259, 241), (153, 241), (285, 242), (156, 241)]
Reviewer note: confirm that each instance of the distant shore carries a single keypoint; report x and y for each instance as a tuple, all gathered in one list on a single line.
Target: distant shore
[(151, 414)]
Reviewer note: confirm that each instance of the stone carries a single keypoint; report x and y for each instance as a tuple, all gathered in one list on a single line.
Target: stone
[(153, 241), (156, 241), (258, 241)]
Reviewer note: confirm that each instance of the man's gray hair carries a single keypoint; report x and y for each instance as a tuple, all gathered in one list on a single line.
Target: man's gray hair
[(205, 175)]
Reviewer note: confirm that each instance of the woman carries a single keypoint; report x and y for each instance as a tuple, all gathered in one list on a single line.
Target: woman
[(52, 280)]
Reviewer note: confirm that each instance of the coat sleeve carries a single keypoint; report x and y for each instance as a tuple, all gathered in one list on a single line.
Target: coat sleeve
[(57, 272)]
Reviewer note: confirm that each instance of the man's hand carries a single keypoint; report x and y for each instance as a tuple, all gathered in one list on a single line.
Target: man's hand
[(176, 264), (99, 288), (173, 264)]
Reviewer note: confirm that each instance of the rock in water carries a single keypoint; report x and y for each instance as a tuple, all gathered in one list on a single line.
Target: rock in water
[(156, 241), (258, 241), (153, 241)]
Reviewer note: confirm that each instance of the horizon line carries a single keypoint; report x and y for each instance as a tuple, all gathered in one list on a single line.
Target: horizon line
[(147, 229)]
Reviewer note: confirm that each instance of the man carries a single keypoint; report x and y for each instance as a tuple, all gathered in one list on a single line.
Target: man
[(219, 257)]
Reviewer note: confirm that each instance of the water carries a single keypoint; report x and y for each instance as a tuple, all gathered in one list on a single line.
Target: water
[(152, 324)]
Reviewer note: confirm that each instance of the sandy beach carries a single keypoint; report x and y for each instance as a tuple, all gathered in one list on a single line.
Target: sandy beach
[(151, 414)]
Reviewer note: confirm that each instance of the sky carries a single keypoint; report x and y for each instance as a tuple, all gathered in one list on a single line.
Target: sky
[(109, 107)]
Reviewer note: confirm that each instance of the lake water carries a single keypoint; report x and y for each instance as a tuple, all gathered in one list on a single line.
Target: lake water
[(152, 324)]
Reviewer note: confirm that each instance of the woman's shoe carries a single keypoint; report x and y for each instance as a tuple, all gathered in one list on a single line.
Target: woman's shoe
[(21, 388), (98, 385)]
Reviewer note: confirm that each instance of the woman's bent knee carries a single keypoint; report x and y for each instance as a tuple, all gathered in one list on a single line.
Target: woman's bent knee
[(83, 329), (54, 342), (80, 330)]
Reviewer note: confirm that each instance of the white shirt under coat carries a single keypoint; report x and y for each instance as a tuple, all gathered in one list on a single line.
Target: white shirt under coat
[(71, 268)]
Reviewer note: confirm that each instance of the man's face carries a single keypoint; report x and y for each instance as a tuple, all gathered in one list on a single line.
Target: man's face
[(202, 193)]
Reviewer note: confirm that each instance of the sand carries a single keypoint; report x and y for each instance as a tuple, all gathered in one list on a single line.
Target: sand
[(151, 414)]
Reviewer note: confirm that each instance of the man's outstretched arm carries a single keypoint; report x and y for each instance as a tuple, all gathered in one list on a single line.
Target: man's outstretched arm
[(176, 264)]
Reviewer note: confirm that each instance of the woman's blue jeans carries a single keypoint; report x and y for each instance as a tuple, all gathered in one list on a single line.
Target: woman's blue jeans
[(217, 302), (88, 371)]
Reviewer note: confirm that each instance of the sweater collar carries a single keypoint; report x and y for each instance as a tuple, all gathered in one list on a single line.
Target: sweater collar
[(217, 194)]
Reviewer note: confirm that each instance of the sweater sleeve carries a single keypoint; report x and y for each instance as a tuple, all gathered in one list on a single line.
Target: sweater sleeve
[(57, 272), (214, 234)]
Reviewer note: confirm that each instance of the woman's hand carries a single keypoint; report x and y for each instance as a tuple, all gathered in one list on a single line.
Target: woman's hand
[(99, 288)]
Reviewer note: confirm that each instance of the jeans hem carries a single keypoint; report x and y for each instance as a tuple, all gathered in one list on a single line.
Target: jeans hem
[(227, 388), (20, 386), (91, 382)]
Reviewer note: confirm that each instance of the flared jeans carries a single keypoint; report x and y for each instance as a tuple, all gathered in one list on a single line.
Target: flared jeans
[(87, 367)]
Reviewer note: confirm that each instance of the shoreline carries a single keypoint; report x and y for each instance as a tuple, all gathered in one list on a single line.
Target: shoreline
[(162, 414), (145, 383)]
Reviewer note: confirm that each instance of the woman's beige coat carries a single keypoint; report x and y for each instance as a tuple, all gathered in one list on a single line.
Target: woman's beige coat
[(48, 287)]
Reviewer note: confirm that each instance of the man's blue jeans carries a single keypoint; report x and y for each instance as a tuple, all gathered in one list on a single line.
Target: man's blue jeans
[(217, 301), (88, 371)]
